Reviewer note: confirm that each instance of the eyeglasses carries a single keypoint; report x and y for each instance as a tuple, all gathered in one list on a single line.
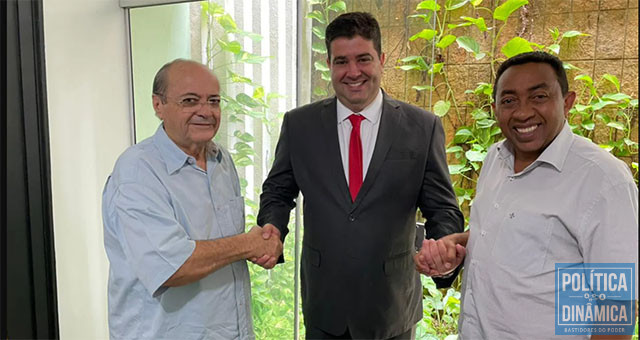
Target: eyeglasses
[(192, 103)]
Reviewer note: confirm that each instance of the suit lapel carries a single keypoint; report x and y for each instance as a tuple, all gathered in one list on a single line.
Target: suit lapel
[(329, 116), (387, 133)]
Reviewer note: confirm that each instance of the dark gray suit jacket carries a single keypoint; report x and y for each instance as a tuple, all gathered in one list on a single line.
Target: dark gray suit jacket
[(357, 257)]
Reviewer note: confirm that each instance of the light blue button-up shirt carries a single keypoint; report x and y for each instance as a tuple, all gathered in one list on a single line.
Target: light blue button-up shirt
[(156, 204)]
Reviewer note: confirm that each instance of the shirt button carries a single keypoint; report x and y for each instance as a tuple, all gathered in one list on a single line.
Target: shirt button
[(496, 205), (352, 218), (483, 233), (510, 179)]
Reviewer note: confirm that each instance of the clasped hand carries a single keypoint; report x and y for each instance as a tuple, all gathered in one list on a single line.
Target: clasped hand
[(267, 245), (439, 257)]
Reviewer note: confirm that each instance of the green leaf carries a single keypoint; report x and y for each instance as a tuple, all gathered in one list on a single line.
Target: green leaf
[(555, 33), (441, 108), (495, 131), (571, 34), (231, 46), (613, 80), (503, 11), (616, 125), (325, 75), (464, 132), (446, 41), (236, 78), (316, 15), (251, 58), (321, 66), (485, 123), (633, 102), (226, 21), (338, 6), (245, 137), (629, 142), (475, 156), (616, 96), (479, 22), (320, 92), (422, 87), (606, 147), (408, 67), (425, 17), (319, 47), (479, 114), (555, 48), (258, 92), (246, 100), (428, 5), (602, 103), (516, 46), (588, 124), (436, 68), (455, 4), (584, 78), (468, 44), (318, 32), (455, 148), (455, 169), (476, 3), (426, 34), (581, 108)]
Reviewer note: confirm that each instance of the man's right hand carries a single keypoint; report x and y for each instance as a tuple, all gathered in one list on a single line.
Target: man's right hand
[(269, 246), (441, 257)]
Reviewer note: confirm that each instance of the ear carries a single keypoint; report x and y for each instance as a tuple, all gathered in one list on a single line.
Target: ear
[(158, 106), (569, 99), (382, 59), (329, 62)]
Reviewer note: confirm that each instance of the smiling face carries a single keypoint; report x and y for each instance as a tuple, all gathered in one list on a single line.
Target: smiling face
[(356, 70), (190, 125), (530, 108)]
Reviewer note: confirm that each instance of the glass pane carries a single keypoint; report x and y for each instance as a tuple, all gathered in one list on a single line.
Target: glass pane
[(251, 46)]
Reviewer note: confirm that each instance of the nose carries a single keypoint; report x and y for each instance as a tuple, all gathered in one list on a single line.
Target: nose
[(353, 71), (524, 111)]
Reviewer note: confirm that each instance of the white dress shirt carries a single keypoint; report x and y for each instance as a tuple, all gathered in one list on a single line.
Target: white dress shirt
[(368, 132), (575, 204)]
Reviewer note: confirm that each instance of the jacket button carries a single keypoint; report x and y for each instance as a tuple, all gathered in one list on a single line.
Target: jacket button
[(352, 218)]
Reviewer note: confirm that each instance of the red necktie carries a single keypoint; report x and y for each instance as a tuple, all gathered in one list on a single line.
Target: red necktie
[(355, 156)]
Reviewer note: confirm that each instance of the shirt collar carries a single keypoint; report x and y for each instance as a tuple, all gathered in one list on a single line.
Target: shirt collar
[(371, 112), (555, 154), (173, 156)]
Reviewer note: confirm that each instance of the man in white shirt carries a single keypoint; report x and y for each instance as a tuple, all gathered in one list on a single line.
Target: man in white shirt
[(545, 196)]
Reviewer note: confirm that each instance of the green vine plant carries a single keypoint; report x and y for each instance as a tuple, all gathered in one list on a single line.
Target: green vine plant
[(272, 291), (321, 15), (602, 112)]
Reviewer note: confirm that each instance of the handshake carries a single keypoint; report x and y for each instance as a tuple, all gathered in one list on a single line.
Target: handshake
[(441, 257), (265, 245)]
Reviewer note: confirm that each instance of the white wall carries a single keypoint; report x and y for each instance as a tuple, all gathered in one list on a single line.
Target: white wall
[(90, 125)]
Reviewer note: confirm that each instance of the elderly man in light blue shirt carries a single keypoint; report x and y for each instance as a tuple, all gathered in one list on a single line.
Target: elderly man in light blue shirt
[(174, 223)]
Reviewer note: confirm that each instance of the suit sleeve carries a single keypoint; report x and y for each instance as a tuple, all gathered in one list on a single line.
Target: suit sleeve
[(437, 200), (280, 189)]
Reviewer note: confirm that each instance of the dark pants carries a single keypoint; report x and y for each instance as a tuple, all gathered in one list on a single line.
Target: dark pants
[(314, 333)]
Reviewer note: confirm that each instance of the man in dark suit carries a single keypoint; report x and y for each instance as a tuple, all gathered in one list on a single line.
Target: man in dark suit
[(361, 189)]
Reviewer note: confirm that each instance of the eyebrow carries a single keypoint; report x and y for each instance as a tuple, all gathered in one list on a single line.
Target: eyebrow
[(197, 95), (358, 56), (530, 89)]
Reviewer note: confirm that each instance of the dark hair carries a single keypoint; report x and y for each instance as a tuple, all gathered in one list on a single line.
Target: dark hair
[(534, 57), (160, 82), (351, 24)]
